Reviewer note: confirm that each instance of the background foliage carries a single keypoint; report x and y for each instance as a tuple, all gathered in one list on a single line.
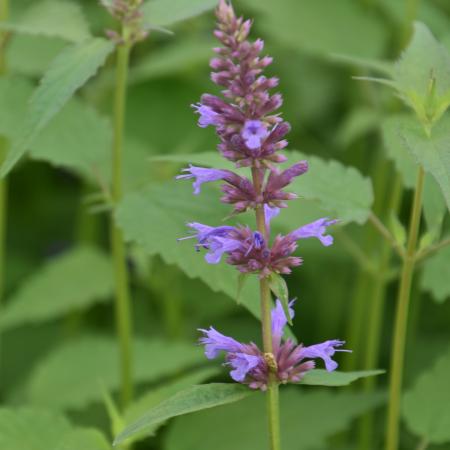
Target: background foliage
[(59, 359)]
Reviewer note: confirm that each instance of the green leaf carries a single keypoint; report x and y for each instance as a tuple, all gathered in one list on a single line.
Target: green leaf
[(33, 429), (423, 61), (52, 18), (426, 406), (308, 418), (31, 56), (320, 377), (69, 376), (67, 73), (397, 150), (436, 275), (163, 12), (242, 278), (323, 27), (279, 287), (72, 281), (432, 153), (14, 94), (157, 228), (190, 400), (155, 396), (89, 154), (340, 190)]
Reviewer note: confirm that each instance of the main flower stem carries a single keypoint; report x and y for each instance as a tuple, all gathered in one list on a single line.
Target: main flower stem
[(273, 400), (401, 320), (123, 301)]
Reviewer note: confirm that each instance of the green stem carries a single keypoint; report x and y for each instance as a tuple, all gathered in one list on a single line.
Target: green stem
[(375, 322), (123, 301), (401, 320), (273, 401), (4, 9)]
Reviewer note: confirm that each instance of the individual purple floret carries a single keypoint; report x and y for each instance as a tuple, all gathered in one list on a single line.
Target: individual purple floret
[(290, 362), (250, 131), (250, 252)]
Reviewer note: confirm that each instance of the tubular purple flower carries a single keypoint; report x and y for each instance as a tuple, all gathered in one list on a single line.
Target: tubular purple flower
[(315, 229), (207, 115), (201, 175), (216, 342), (325, 351), (253, 133)]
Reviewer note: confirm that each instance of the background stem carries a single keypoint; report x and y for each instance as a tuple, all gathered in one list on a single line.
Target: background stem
[(401, 320), (123, 303), (273, 401)]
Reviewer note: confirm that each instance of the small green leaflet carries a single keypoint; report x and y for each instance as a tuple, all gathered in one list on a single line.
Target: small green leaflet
[(53, 18), (68, 72), (195, 398), (426, 406), (320, 377), (279, 287)]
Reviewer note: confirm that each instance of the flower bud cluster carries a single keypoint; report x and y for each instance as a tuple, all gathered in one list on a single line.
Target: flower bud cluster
[(129, 14)]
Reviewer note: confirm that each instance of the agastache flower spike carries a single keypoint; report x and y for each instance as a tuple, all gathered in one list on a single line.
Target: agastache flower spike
[(248, 362)]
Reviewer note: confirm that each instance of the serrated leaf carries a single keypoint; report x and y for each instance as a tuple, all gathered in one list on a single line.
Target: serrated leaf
[(279, 287), (193, 399), (436, 275), (433, 201), (89, 153), (72, 281), (157, 228), (163, 12), (323, 27), (321, 414), (320, 377), (33, 429), (53, 18), (426, 407), (69, 376), (340, 190), (157, 395), (432, 152), (67, 73), (424, 59)]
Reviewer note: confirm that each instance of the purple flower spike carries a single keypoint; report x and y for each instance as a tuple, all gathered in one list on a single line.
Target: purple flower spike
[(315, 229), (254, 132), (325, 351), (207, 115), (201, 175), (249, 363)]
